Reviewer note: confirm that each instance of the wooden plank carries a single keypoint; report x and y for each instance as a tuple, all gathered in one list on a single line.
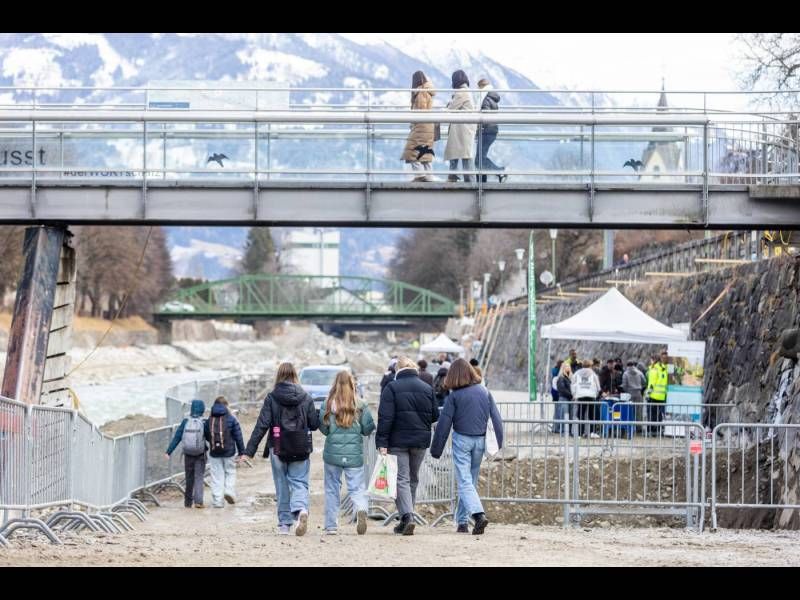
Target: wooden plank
[(49, 387), (65, 294), (62, 317), (56, 367), (59, 342), (57, 398)]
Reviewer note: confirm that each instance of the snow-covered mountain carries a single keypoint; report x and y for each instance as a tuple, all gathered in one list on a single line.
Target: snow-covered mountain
[(304, 60)]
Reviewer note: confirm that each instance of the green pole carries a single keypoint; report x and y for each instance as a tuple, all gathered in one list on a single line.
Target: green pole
[(531, 321)]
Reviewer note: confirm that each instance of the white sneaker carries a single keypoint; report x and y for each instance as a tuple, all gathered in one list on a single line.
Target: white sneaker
[(284, 529), (331, 532), (302, 523), (593, 435)]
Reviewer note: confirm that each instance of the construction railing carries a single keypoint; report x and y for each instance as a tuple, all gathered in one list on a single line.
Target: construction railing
[(53, 462), (755, 466)]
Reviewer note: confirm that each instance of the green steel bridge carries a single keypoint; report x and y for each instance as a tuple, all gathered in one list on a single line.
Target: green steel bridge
[(254, 297)]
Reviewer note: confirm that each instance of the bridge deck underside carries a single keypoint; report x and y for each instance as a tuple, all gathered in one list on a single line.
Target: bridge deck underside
[(409, 204)]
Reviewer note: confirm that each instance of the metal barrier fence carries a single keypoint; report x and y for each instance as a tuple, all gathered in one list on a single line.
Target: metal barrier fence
[(657, 474), (436, 484), (622, 413), (54, 458), (590, 476), (751, 468)]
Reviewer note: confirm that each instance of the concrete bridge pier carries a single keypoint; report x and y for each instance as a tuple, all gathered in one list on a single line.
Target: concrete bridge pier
[(36, 360)]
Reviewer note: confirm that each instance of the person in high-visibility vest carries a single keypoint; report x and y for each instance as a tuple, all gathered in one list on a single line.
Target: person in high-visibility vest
[(657, 390)]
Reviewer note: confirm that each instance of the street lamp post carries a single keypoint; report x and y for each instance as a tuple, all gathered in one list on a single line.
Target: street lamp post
[(553, 236), (486, 277), (501, 264), (520, 252)]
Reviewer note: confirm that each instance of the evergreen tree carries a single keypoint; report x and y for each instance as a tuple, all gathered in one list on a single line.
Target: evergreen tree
[(259, 254)]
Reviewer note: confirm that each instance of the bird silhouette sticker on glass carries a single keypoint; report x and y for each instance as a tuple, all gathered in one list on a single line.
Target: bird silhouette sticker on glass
[(217, 158), (634, 164)]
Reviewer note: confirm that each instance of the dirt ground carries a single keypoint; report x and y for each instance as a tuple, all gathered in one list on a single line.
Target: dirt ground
[(245, 534)]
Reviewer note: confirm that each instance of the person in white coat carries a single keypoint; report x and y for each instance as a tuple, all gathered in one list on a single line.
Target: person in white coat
[(586, 389), (460, 136)]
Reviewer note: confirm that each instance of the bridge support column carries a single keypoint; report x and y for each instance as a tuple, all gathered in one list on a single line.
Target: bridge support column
[(33, 311), (164, 329)]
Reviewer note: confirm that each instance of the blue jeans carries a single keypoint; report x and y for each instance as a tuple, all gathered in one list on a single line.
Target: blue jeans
[(354, 476), (467, 456), (563, 410), (291, 487)]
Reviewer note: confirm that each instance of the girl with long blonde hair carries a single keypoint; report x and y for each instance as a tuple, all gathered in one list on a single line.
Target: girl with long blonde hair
[(344, 420)]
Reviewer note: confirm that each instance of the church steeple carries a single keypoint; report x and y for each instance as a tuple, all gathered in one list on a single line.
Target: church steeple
[(662, 99)]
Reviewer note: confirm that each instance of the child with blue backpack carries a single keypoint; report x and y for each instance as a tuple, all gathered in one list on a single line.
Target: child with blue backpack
[(192, 434)]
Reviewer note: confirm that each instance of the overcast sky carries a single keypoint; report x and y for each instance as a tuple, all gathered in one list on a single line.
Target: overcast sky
[(624, 61)]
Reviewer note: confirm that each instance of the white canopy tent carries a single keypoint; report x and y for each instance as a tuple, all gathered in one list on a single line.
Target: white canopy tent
[(442, 344), (613, 318)]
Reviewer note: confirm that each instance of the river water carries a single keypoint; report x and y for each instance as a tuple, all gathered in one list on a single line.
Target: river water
[(134, 395)]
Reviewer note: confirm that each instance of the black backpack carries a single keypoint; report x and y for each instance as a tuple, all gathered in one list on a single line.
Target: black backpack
[(291, 438), (221, 436)]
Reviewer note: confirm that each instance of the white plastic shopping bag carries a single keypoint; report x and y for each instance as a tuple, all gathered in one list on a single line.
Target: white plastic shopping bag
[(383, 483), (491, 447)]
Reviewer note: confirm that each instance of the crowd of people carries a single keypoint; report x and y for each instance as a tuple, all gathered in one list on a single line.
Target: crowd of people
[(578, 385), (409, 407), (465, 141)]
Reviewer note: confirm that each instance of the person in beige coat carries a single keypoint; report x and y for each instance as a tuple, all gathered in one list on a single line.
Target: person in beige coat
[(460, 136), (419, 145)]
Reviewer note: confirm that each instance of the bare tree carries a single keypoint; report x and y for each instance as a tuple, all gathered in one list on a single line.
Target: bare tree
[(109, 269), (10, 258), (772, 63)]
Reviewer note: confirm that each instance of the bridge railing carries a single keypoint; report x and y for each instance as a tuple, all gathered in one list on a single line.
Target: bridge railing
[(262, 148), (734, 247), (308, 295), (246, 96)]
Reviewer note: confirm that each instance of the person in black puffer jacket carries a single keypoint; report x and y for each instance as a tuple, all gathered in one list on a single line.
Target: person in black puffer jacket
[(487, 134), (564, 407), (290, 413), (406, 412), (439, 389)]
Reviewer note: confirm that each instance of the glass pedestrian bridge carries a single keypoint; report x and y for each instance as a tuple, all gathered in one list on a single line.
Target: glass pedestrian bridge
[(333, 156)]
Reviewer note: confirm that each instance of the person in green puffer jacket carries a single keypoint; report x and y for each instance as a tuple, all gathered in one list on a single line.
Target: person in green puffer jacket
[(344, 421)]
